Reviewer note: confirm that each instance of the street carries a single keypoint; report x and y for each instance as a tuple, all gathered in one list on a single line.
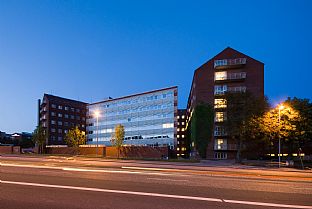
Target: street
[(63, 183)]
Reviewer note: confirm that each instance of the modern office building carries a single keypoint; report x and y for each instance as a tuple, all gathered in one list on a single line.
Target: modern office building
[(182, 143), (57, 115), (228, 71), (149, 118)]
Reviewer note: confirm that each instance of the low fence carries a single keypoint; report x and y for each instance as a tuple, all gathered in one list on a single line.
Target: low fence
[(137, 152), (76, 151), (10, 149), (112, 152)]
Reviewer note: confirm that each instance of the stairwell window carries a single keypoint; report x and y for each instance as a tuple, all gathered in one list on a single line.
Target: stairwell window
[(220, 76), (220, 116), (220, 103)]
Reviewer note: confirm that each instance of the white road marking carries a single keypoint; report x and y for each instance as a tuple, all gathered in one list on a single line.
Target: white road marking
[(266, 204), (158, 195), (113, 191), (86, 170)]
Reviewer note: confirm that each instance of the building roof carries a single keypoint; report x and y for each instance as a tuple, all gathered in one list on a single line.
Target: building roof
[(53, 97), (133, 95)]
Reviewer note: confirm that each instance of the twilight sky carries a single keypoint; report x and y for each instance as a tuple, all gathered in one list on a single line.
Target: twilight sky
[(89, 50)]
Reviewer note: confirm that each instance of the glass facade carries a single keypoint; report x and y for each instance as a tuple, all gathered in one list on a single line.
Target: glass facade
[(148, 118)]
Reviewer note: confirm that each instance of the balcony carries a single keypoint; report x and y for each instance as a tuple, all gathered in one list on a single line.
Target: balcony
[(220, 133), (229, 63), (221, 77)]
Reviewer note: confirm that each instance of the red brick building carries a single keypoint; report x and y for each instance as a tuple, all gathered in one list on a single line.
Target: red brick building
[(57, 115), (231, 71)]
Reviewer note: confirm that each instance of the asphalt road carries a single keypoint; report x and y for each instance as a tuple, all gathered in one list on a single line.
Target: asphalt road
[(48, 184)]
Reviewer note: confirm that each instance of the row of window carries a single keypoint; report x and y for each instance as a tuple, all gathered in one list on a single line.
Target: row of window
[(59, 138), (224, 75), (130, 138), (60, 115), (141, 118), (183, 116), (224, 62), (60, 123), (60, 131), (182, 149), (221, 89), (60, 107), (138, 99), (132, 110)]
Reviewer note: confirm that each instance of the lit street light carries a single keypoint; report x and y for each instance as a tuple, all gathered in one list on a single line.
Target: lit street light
[(97, 114), (280, 107)]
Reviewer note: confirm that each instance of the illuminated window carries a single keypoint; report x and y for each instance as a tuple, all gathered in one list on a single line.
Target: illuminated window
[(183, 123), (178, 117), (220, 103), (220, 76), (168, 125), (178, 136), (182, 136), (183, 129), (220, 116), (178, 129), (183, 116), (220, 144)]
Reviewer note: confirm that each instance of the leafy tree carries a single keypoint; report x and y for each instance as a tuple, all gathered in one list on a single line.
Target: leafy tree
[(200, 131), (39, 138), (302, 138), (75, 137), (118, 137), (280, 123), (242, 107)]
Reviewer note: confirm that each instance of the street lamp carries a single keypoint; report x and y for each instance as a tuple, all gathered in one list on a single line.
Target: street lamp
[(97, 114), (280, 107)]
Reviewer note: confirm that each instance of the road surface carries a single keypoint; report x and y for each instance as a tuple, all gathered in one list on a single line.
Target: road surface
[(57, 183)]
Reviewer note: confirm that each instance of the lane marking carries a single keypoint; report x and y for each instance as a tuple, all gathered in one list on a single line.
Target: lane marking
[(158, 195), (266, 204), (86, 170), (113, 191)]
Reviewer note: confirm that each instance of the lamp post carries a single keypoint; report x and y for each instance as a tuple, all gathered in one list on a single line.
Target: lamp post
[(280, 107), (97, 114)]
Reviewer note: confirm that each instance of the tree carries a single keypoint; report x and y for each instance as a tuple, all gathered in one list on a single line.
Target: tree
[(118, 137), (200, 131), (39, 138), (241, 109), (283, 123), (75, 137), (303, 126)]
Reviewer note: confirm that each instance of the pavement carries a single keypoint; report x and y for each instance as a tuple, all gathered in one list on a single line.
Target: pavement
[(75, 182)]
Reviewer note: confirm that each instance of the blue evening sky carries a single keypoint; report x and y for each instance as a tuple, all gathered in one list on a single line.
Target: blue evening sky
[(89, 50)]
